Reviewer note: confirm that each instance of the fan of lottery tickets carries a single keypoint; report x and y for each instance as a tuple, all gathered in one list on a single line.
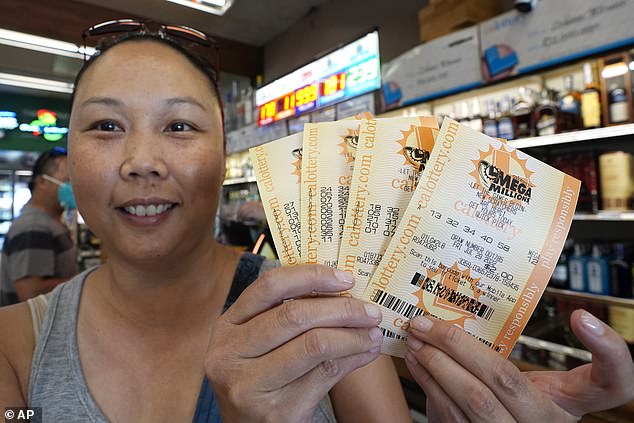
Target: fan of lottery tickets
[(447, 222)]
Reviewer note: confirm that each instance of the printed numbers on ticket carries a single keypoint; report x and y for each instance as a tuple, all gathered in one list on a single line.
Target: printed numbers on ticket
[(478, 241)]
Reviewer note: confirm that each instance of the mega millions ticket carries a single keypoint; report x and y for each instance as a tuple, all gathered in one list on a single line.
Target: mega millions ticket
[(391, 155), (478, 242), (277, 167)]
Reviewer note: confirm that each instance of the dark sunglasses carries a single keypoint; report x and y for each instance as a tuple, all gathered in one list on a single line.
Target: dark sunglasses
[(177, 33)]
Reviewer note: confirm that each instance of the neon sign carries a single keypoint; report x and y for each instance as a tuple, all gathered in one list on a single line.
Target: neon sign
[(45, 125), (347, 72)]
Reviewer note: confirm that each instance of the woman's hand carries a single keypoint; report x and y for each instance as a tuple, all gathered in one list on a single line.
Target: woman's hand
[(274, 360), (466, 381)]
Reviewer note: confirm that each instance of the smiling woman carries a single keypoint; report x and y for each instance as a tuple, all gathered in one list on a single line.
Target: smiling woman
[(176, 327), (174, 324)]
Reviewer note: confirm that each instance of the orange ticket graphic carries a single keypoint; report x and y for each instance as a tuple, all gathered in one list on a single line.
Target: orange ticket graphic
[(478, 242)]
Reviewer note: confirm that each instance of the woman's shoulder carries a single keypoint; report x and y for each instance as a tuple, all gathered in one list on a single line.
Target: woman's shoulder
[(18, 344)]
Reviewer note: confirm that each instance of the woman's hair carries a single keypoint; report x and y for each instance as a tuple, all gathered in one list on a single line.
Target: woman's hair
[(203, 64)]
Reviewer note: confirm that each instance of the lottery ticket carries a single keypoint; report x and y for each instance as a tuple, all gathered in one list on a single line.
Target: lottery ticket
[(328, 151), (277, 167), (477, 243), (391, 155)]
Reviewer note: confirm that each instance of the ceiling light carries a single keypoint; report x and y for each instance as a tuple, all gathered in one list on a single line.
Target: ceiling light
[(35, 83), (43, 44), (217, 7), (614, 70)]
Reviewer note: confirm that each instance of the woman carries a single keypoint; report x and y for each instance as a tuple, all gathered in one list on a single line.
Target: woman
[(135, 339)]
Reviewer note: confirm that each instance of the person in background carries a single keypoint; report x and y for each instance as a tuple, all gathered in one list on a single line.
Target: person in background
[(38, 253)]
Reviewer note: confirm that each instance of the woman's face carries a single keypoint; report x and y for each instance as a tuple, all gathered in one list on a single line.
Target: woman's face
[(146, 151)]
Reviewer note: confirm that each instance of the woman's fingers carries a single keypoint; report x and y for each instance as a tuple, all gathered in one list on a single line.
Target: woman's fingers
[(310, 350), (274, 327), (277, 285), (606, 383), (479, 380), (324, 376), (440, 407), (612, 366)]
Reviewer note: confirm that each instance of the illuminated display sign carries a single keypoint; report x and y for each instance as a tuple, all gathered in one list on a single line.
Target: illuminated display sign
[(345, 73)]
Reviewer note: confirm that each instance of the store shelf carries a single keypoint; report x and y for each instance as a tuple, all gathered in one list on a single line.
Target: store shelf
[(607, 216), (575, 136), (555, 348), (603, 299), (236, 181)]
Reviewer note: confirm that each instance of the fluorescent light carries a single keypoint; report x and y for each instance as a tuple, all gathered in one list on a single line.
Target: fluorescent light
[(35, 83), (217, 7), (43, 44)]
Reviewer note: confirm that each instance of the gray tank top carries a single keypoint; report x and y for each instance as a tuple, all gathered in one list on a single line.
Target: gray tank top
[(57, 382)]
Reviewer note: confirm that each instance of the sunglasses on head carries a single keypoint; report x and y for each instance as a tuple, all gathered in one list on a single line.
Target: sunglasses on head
[(186, 37)]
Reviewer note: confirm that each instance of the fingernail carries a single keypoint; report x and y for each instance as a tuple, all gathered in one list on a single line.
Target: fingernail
[(376, 335), (372, 311), (593, 324), (421, 323), (409, 357), (345, 277), (414, 343)]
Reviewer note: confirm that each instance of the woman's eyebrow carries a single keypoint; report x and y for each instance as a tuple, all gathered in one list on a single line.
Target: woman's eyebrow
[(175, 101), (104, 101)]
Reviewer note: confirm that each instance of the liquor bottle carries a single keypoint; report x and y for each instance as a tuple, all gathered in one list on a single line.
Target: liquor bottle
[(490, 124), (546, 114), (463, 117), (248, 103), (620, 273), (590, 100), (505, 121), (475, 121), (577, 271), (522, 112), (559, 279), (598, 271), (617, 104), (570, 106)]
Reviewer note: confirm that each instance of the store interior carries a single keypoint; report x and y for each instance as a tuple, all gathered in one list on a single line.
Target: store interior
[(570, 105)]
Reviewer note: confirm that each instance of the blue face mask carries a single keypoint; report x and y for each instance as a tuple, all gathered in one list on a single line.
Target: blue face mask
[(65, 194)]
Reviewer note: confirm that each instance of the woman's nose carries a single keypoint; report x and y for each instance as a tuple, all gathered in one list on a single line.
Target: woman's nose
[(143, 158)]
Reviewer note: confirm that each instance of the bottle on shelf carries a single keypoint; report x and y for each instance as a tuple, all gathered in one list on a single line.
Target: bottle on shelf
[(599, 271), (506, 128), (590, 99), (475, 121), (577, 269), (490, 123), (616, 171), (618, 109), (546, 114), (559, 279), (522, 112), (570, 106), (248, 102), (621, 273), (463, 117)]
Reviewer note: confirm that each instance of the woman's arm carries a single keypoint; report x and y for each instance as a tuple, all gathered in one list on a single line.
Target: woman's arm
[(16, 351), (371, 394)]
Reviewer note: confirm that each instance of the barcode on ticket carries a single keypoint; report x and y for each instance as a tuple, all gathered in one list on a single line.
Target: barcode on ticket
[(396, 304), (410, 311), (389, 334)]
